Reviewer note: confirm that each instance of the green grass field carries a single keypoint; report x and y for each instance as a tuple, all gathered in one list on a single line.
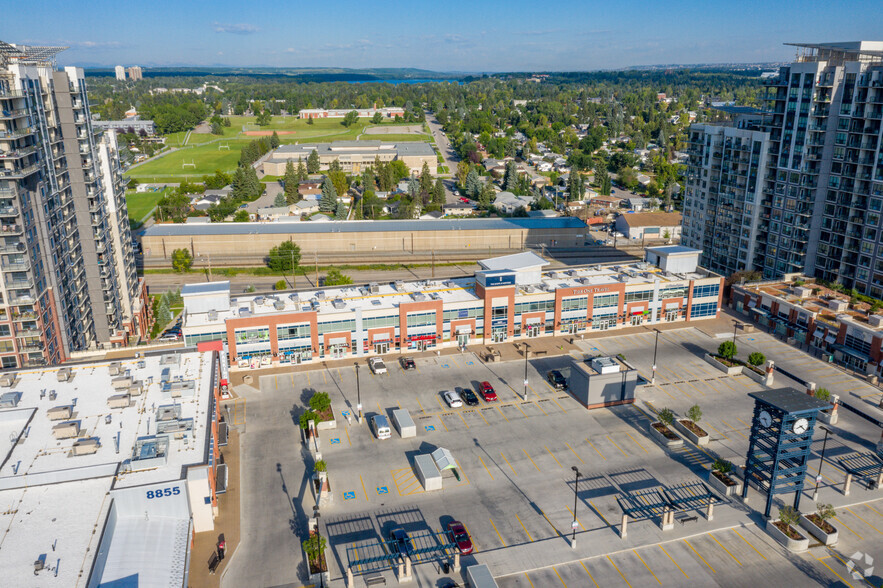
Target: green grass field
[(141, 203)]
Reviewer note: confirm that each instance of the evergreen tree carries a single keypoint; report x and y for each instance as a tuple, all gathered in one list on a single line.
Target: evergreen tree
[(289, 181), (240, 184), (486, 196), (413, 188), (438, 193), (274, 140), (473, 184), (510, 177), (255, 188), (367, 179), (163, 313), (302, 171), (313, 161), (425, 184), (341, 211), (280, 200), (328, 201), (335, 165)]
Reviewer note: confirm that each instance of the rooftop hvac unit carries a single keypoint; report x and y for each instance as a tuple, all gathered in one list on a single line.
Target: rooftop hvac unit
[(64, 374), (320, 295), (85, 447), (418, 296), (114, 368), (213, 315), (338, 304), (374, 287), (294, 297), (259, 300), (279, 305)]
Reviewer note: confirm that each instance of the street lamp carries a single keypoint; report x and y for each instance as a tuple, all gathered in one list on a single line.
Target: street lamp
[(358, 393), (575, 494), (736, 325), (525, 369), (815, 493), (655, 348)]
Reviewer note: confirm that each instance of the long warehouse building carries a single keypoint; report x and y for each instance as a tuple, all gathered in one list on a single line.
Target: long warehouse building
[(244, 242)]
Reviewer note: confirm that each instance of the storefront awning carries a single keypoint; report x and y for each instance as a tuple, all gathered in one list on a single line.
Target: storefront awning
[(533, 321), (857, 354), (464, 330), (672, 305), (338, 341), (818, 332), (752, 303), (636, 311), (761, 311), (422, 337), (831, 339), (385, 337)]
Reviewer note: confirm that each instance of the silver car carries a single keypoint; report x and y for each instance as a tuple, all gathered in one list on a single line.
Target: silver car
[(452, 398)]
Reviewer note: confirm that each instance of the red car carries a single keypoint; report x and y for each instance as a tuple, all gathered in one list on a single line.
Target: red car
[(464, 200), (457, 533), (487, 392)]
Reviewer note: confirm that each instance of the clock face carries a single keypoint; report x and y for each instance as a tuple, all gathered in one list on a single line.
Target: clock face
[(765, 419), (800, 426)]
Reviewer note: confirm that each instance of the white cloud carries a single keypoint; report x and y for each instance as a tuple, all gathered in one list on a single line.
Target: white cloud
[(241, 28)]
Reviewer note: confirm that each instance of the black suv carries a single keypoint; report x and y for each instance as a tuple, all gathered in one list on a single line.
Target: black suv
[(557, 380), (469, 397)]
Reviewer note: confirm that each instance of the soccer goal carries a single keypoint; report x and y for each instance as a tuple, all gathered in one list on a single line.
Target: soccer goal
[(185, 164), (223, 146)]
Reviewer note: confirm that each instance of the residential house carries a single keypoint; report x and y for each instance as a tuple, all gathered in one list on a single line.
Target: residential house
[(305, 207), (508, 202), (636, 203), (273, 212), (458, 209), (644, 180), (310, 190)]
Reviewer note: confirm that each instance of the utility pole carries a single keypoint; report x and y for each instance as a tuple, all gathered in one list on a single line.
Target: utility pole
[(815, 493), (655, 348), (526, 351)]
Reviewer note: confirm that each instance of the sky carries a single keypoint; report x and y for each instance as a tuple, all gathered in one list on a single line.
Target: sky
[(453, 36)]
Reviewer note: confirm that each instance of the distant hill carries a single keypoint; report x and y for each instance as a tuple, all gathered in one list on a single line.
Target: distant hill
[(301, 74)]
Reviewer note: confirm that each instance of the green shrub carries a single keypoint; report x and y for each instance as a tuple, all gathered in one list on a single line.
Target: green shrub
[(695, 413), (320, 466), (281, 285), (757, 358), (306, 417), (666, 416), (825, 511), (320, 402), (722, 466), (315, 545), (789, 515), (823, 394), (727, 350)]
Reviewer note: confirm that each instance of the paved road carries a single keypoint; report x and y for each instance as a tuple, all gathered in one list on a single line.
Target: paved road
[(444, 146)]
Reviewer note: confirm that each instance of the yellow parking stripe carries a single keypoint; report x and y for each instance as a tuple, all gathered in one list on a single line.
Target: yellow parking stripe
[(420, 404), (560, 578), (590, 574), (509, 464), (576, 519), (442, 422), (463, 419), (598, 512), (726, 424), (617, 569), (553, 457), (699, 556), (617, 446), (523, 527), (864, 521), (749, 544), (501, 413), (363, 488), (636, 442), (531, 460), (528, 579), (718, 432), (485, 467), (635, 551), (673, 561), (574, 452), (839, 522), (833, 572), (498, 533), (725, 549), (596, 450)]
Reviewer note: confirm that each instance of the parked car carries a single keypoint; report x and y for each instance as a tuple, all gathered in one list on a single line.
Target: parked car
[(377, 366), (457, 533), (401, 541), (407, 363), (469, 397), (170, 337), (380, 424), (557, 380), (452, 398), (487, 392)]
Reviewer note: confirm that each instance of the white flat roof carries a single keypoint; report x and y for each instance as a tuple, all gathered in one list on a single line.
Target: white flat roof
[(515, 262)]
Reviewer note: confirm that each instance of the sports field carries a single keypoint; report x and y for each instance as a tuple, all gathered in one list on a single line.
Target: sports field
[(199, 154), (140, 204)]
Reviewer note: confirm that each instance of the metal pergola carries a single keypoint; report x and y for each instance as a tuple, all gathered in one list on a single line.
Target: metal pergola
[(861, 465), (372, 556), (690, 496)]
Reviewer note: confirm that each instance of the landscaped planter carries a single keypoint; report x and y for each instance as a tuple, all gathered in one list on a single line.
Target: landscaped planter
[(730, 487), (807, 522), (763, 378), (666, 440), (327, 424), (827, 417), (699, 437), (317, 576), (730, 371), (793, 544)]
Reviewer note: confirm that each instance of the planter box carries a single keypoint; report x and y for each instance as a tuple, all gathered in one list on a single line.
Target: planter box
[(686, 432), (793, 545), (733, 490), (327, 425), (662, 439), (828, 418), (730, 371), (322, 578), (760, 378), (818, 532)]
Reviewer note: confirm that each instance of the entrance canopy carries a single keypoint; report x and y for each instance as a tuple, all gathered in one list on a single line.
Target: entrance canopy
[(444, 459)]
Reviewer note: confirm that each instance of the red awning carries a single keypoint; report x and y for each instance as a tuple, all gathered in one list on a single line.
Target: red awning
[(634, 312), (421, 337)]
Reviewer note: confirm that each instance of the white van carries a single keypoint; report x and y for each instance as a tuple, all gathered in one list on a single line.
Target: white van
[(380, 424)]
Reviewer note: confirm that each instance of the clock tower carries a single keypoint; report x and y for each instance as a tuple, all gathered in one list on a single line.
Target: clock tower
[(781, 438)]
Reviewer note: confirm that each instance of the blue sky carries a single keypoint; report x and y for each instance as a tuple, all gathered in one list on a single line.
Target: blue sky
[(475, 35)]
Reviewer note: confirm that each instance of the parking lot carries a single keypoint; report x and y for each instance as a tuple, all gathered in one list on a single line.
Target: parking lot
[(515, 491)]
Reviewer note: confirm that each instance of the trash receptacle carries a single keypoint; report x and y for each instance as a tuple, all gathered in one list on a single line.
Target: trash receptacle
[(446, 567)]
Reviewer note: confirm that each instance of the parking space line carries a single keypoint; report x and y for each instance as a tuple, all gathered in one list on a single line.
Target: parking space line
[(576, 519), (463, 419), (699, 556), (523, 527), (485, 467), (308, 380), (510, 465), (442, 422), (725, 549), (531, 459), (498, 533), (718, 432), (522, 411), (419, 403), (574, 452), (596, 449), (560, 578), (636, 442), (442, 406), (617, 446), (553, 457), (347, 430), (738, 432), (324, 377), (864, 521), (743, 422), (482, 416), (540, 407), (874, 509), (833, 572), (559, 405), (528, 579), (840, 522), (617, 569), (501, 413), (635, 551), (590, 574), (749, 544), (363, 488), (674, 562), (598, 512)]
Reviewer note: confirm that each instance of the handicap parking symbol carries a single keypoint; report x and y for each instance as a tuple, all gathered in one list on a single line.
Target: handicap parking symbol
[(335, 441), (345, 413), (382, 490), (349, 495), (445, 365), (595, 349), (430, 427), (470, 363)]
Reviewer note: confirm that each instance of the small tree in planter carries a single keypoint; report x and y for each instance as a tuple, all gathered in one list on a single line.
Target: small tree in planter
[(314, 547), (320, 403), (694, 414), (823, 394), (788, 519), (756, 360), (820, 518), (666, 417), (727, 350), (721, 469), (320, 473)]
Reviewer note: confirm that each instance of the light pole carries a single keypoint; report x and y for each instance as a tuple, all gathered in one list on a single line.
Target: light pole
[(736, 325), (655, 348), (358, 394), (526, 351), (575, 494), (815, 493)]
